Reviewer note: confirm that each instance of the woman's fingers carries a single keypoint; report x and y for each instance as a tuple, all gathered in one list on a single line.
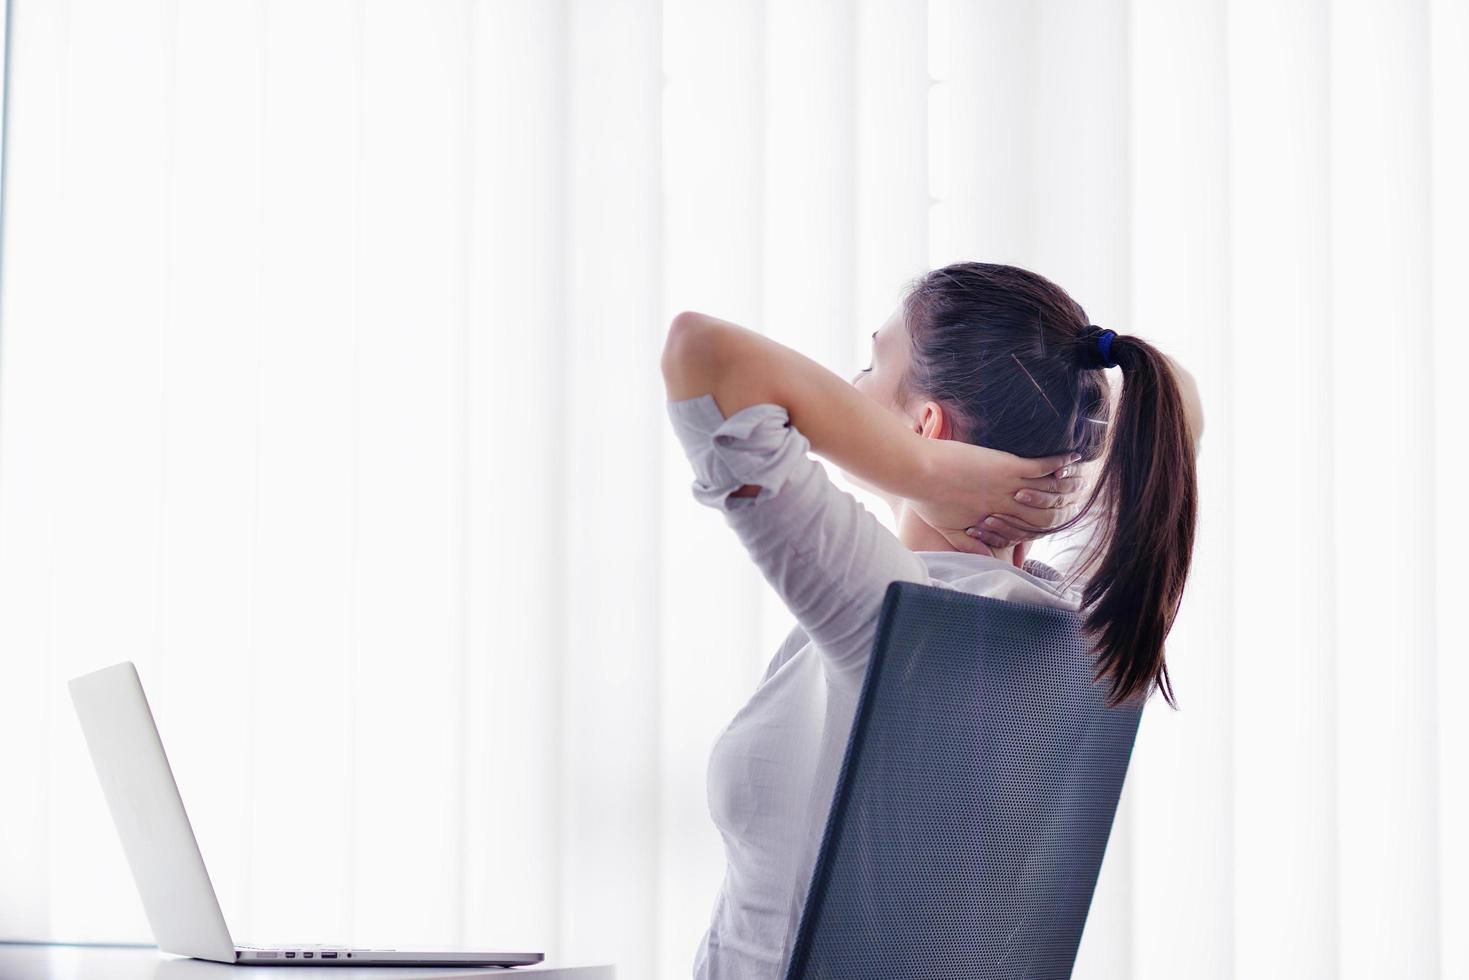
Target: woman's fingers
[(1038, 520), (1009, 531), (1039, 466), (964, 541), (990, 537), (998, 531), (1005, 529), (1049, 491), (1045, 492)]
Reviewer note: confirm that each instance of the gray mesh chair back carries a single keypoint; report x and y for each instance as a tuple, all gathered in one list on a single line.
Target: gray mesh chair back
[(974, 801)]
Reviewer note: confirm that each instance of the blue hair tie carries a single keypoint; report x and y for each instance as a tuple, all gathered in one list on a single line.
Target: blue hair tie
[(1104, 347)]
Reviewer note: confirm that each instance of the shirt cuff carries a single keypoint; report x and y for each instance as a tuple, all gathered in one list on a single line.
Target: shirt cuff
[(756, 445)]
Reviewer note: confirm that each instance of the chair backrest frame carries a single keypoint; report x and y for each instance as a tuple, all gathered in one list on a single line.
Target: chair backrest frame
[(1019, 647)]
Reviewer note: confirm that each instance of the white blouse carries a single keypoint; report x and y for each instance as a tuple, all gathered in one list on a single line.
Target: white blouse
[(773, 769)]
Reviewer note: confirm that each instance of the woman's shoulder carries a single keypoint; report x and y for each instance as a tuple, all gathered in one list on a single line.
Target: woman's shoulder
[(996, 578)]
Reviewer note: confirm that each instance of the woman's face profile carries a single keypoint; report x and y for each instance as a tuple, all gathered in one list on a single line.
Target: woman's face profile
[(881, 380), (889, 361)]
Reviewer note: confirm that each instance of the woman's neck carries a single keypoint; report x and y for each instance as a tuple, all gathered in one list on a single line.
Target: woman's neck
[(919, 535)]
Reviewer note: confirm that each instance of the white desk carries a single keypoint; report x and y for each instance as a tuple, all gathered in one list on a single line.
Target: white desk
[(30, 962)]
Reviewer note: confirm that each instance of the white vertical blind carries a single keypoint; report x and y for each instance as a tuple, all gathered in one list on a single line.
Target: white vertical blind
[(715, 638), (1281, 328), (329, 396), (514, 462), (1386, 716), (609, 507), (1448, 244), (1183, 829)]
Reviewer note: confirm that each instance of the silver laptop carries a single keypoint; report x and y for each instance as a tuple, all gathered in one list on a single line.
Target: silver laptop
[(164, 855)]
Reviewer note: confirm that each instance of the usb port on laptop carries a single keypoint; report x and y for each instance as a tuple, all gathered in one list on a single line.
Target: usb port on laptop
[(328, 956)]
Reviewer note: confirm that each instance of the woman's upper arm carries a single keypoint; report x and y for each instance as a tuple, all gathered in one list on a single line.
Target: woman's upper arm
[(825, 554)]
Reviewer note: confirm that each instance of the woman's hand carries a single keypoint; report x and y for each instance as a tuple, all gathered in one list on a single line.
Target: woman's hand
[(966, 484)]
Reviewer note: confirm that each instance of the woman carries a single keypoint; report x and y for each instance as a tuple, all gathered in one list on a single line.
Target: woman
[(983, 418)]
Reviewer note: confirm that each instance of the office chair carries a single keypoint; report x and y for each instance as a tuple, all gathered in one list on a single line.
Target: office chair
[(974, 801)]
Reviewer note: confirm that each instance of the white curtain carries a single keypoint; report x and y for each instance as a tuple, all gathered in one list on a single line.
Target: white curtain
[(329, 396)]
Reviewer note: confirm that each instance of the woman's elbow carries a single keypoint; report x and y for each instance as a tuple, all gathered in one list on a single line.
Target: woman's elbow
[(691, 352), (1193, 405)]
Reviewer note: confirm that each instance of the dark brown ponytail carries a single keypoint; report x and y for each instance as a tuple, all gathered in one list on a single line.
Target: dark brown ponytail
[(1149, 494), (1014, 358)]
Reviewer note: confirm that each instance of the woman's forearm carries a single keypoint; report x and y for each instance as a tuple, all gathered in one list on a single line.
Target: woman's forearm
[(740, 367)]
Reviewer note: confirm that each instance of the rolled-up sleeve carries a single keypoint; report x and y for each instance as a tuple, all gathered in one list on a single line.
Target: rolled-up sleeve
[(826, 555)]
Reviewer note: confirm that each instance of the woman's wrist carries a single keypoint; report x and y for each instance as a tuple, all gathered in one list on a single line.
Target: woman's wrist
[(916, 472)]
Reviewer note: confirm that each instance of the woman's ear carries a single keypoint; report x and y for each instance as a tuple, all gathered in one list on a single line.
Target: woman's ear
[(933, 421)]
